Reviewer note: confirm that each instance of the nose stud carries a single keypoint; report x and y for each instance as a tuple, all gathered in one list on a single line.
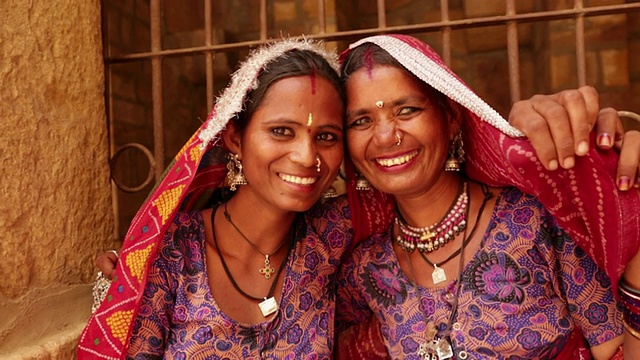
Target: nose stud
[(399, 138), (319, 163)]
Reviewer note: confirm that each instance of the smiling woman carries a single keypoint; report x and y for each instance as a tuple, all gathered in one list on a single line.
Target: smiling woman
[(463, 269), (238, 279), (280, 153)]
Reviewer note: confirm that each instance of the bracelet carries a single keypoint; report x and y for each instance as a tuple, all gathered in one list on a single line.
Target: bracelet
[(633, 332), (630, 301), (100, 287)]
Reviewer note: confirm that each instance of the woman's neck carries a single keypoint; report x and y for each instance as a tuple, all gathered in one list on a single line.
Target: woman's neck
[(265, 226), (432, 204)]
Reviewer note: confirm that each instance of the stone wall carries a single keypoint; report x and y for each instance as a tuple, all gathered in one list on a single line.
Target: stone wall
[(54, 188)]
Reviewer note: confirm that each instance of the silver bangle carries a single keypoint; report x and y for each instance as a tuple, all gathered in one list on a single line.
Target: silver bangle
[(100, 288)]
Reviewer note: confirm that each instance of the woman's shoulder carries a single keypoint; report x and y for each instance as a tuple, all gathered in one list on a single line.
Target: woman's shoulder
[(182, 248), (338, 205), (512, 199), (186, 227), (330, 213), (373, 249)]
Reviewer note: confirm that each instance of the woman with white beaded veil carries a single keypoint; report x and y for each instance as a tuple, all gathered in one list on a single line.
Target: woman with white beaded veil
[(247, 276), (482, 259)]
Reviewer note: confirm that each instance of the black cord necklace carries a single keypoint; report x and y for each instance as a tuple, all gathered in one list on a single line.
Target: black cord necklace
[(438, 274), (440, 348), (267, 270), (268, 304)]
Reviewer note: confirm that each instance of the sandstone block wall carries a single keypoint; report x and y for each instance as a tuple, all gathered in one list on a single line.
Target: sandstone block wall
[(55, 196)]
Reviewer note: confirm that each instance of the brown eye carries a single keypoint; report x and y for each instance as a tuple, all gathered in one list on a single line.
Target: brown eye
[(360, 123), (408, 111), (282, 131), (327, 137)]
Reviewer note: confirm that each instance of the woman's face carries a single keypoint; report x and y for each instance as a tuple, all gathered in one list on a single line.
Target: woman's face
[(299, 120), (407, 109)]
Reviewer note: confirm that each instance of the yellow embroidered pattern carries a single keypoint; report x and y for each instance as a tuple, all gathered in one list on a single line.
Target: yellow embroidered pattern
[(194, 153), (186, 145), (136, 261), (167, 201), (119, 324)]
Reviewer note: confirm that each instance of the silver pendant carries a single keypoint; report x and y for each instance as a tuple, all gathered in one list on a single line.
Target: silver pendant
[(435, 350), (438, 274), (443, 349), (425, 351), (268, 306)]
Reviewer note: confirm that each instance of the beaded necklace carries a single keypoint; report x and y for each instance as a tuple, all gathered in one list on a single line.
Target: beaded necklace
[(440, 347), (432, 237), (268, 304)]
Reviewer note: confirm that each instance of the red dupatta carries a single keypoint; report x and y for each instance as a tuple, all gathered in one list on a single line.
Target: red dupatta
[(603, 221)]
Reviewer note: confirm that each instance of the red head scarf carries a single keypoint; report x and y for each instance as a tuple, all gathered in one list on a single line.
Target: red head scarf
[(603, 221)]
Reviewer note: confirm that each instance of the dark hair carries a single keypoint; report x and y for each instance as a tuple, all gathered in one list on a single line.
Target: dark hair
[(292, 63), (368, 54)]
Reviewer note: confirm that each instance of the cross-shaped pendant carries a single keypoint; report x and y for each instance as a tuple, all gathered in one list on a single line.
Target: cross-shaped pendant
[(267, 270)]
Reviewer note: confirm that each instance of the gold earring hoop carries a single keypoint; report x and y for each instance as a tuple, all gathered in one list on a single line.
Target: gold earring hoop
[(399, 138), (456, 154), (362, 184), (331, 192), (379, 104), (235, 174), (319, 163)]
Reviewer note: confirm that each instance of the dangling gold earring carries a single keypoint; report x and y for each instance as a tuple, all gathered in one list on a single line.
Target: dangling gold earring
[(331, 192), (362, 184), (235, 177), (456, 154)]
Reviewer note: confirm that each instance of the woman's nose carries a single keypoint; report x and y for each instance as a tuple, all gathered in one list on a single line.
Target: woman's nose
[(305, 152)]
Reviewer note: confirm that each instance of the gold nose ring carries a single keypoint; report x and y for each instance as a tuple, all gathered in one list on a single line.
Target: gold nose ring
[(399, 138), (319, 163)]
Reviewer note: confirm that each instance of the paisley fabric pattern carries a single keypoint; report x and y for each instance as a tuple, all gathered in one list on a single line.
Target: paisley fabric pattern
[(179, 319), (526, 290)]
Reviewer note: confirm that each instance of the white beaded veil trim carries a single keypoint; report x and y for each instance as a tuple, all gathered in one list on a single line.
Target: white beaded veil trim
[(245, 79), (440, 79)]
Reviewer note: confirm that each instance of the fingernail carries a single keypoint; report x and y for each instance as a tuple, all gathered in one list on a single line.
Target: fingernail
[(604, 140), (623, 183), (568, 162), (583, 148), (553, 164)]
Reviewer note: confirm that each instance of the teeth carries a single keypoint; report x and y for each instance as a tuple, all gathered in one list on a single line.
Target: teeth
[(396, 161), (298, 180)]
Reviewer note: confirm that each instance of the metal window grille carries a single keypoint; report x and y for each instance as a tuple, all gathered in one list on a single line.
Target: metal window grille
[(145, 20)]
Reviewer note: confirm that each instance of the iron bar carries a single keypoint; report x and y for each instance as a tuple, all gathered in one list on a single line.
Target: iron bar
[(430, 27)]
